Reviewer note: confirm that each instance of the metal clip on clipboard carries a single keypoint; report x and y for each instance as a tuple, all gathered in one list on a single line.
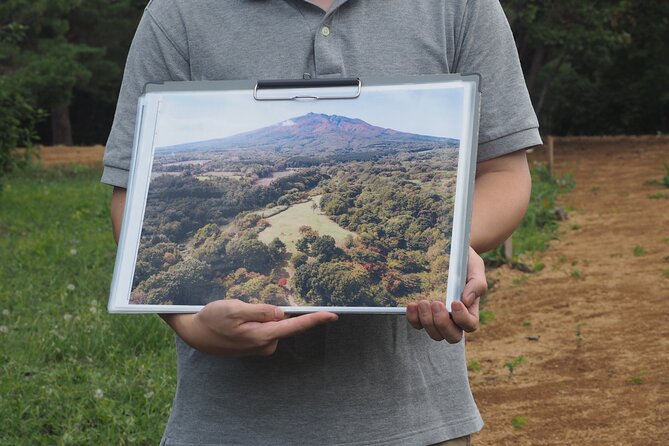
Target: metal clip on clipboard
[(290, 90)]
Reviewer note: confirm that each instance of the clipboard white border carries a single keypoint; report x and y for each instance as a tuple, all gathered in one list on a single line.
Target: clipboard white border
[(142, 161)]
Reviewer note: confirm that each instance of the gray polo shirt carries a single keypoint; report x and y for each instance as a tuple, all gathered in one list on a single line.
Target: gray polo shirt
[(364, 380)]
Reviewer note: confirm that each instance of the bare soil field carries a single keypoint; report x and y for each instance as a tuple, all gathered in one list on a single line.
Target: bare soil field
[(593, 325), (63, 155), (599, 372)]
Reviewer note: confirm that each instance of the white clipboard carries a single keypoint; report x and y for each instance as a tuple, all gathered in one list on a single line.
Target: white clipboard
[(367, 185)]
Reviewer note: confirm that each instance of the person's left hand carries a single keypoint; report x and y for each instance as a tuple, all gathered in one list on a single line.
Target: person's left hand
[(435, 319)]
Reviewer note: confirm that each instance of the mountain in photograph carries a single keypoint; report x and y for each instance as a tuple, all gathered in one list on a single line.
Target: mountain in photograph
[(325, 134)]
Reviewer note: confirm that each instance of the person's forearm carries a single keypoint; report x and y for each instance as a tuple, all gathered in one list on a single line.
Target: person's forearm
[(501, 197), (117, 208)]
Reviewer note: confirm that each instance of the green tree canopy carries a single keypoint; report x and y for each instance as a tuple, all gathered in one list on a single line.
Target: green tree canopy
[(595, 66), (56, 48)]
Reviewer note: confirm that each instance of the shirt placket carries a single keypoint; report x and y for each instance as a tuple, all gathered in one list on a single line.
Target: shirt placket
[(328, 60)]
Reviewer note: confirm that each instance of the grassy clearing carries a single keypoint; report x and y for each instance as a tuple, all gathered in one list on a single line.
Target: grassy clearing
[(286, 224), (69, 372)]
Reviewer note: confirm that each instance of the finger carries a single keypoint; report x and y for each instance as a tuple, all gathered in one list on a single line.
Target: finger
[(443, 322), (295, 325), (474, 289), (476, 284), (254, 312), (427, 320), (412, 316), (465, 318)]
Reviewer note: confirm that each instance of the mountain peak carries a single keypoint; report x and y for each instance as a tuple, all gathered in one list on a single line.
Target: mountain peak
[(320, 123), (327, 132)]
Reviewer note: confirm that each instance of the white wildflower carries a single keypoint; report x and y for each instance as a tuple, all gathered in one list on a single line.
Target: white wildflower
[(73, 252), (99, 393), (93, 310), (5, 312), (67, 316), (148, 394), (94, 302), (71, 287), (4, 329)]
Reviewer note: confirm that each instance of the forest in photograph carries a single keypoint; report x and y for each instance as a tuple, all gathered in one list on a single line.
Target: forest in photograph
[(316, 210)]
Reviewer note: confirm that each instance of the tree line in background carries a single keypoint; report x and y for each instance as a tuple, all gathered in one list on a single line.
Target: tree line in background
[(592, 66)]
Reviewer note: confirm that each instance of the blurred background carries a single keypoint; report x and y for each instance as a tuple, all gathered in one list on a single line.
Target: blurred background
[(592, 67), (574, 340)]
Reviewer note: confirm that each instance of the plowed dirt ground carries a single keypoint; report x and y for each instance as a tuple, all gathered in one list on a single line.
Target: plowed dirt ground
[(51, 156), (598, 373)]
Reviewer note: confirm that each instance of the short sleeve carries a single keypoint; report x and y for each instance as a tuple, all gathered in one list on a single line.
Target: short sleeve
[(485, 45), (154, 57)]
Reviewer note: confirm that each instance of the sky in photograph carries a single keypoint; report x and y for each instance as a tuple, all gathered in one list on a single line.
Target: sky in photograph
[(203, 116)]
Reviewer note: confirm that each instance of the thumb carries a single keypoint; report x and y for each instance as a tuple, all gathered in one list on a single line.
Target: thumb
[(257, 312)]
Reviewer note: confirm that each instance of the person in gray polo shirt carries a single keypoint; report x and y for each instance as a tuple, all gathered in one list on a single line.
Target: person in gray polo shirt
[(249, 376)]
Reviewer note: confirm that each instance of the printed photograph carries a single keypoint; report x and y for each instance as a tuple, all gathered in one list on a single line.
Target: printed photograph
[(301, 203)]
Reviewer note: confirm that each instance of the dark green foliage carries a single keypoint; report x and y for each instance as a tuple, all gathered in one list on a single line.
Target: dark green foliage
[(298, 259), (251, 254), (156, 258), (333, 204), (389, 212), (179, 284), (213, 252), (274, 295), (58, 50), (334, 283), (408, 261), (180, 205), (323, 248), (597, 66), (399, 284), (277, 250), (17, 127)]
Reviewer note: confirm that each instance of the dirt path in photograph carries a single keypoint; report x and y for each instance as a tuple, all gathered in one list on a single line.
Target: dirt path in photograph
[(599, 372)]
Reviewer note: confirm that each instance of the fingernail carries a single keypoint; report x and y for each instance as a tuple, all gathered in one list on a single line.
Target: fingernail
[(278, 313), (436, 308), (456, 306), (424, 307)]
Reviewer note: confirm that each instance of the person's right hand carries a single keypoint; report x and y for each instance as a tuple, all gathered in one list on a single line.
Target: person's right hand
[(235, 328)]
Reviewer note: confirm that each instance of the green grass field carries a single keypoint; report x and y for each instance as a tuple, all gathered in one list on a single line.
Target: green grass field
[(286, 224), (69, 372)]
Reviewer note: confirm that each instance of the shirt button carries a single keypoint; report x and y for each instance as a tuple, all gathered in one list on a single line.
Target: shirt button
[(325, 31)]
